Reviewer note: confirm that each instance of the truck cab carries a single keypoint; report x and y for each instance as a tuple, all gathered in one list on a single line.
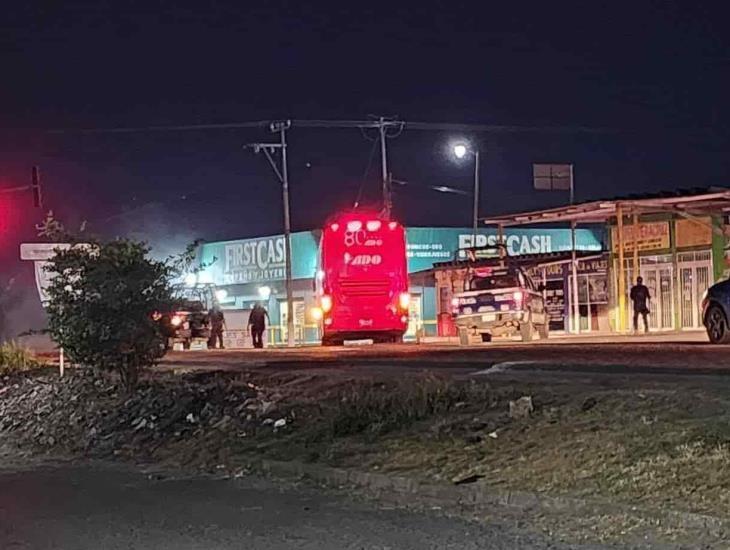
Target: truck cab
[(499, 301)]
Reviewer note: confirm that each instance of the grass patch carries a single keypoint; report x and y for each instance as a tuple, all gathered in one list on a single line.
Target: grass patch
[(15, 358), (383, 408)]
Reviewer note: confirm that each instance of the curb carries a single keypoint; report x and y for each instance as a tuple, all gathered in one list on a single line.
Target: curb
[(476, 495)]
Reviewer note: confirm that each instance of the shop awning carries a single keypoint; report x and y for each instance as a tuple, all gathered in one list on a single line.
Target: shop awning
[(688, 203)]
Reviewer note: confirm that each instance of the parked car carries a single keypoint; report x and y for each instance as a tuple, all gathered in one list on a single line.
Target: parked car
[(716, 312), (187, 321), (499, 301)]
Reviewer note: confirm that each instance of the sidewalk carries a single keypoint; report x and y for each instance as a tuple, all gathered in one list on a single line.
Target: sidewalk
[(681, 337)]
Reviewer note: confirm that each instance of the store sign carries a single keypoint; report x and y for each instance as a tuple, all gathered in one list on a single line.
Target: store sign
[(260, 260), (646, 236), (694, 232), (429, 245)]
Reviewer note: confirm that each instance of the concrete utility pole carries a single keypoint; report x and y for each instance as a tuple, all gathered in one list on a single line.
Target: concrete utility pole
[(281, 127), (387, 199), (382, 124)]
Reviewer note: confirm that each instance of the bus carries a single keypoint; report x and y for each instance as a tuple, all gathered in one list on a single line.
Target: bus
[(362, 280)]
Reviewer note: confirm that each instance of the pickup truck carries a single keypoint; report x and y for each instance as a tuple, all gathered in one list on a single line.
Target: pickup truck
[(499, 301)]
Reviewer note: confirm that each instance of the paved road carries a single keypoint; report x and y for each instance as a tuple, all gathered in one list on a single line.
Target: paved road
[(65, 508), (688, 353)]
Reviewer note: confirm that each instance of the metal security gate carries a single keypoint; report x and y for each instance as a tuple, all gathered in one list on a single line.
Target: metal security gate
[(694, 278)]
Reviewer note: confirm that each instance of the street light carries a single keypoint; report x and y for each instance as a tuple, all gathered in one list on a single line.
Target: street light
[(460, 151)]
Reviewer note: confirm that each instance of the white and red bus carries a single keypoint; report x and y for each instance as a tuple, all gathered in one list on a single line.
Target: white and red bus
[(363, 279)]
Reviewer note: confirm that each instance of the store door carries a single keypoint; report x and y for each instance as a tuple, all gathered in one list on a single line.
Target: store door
[(415, 320), (694, 280), (658, 279), (299, 312)]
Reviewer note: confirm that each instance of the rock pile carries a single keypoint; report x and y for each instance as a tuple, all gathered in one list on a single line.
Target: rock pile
[(85, 413)]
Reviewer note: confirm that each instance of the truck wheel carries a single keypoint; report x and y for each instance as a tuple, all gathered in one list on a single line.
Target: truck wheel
[(544, 331), (717, 326), (527, 329)]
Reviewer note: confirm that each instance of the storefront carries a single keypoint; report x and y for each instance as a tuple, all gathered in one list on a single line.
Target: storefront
[(677, 242), (675, 260), (251, 270)]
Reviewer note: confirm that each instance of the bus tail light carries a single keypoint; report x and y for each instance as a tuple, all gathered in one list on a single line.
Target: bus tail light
[(326, 303), (404, 300)]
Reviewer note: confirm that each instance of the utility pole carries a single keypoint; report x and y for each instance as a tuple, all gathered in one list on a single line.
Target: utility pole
[(387, 200), (282, 174)]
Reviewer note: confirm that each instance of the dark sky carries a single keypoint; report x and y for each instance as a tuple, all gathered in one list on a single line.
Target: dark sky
[(655, 73)]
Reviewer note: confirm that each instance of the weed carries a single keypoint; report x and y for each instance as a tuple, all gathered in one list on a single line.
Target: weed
[(14, 358)]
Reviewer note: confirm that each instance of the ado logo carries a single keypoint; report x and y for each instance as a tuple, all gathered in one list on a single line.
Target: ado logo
[(363, 259)]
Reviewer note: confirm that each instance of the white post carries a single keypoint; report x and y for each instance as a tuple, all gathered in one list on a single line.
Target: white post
[(576, 307), (61, 365)]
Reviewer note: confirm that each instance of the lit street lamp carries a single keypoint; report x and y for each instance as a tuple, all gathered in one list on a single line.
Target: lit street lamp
[(460, 151)]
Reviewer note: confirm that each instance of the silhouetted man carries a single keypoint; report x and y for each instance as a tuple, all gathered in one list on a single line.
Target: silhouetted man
[(257, 321), (640, 297), (217, 322)]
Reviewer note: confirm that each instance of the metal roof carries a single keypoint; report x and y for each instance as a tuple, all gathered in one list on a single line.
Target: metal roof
[(685, 202)]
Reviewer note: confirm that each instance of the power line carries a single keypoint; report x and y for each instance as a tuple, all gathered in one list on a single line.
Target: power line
[(341, 124)]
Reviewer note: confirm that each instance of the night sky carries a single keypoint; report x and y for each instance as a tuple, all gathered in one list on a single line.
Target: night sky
[(651, 78)]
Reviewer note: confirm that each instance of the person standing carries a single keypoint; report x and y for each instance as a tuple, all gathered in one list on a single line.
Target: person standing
[(640, 298), (217, 323), (257, 321)]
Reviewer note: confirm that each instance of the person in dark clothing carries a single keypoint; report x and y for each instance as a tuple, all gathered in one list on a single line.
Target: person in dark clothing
[(257, 321), (217, 322), (640, 297)]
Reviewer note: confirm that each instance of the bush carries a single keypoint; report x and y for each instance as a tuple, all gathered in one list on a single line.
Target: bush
[(101, 301), (14, 358)]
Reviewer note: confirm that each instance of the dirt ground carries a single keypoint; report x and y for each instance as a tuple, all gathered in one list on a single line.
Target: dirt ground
[(656, 440)]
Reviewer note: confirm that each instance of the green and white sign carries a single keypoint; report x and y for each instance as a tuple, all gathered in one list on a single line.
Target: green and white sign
[(261, 260)]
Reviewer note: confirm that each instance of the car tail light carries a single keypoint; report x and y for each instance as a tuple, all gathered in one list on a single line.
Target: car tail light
[(176, 320), (335, 226), (404, 300), (517, 296), (354, 225), (326, 303), (373, 225), (392, 225)]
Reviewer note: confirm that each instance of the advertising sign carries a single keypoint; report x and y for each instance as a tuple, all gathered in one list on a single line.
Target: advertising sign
[(260, 259), (429, 245), (648, 236), (694, 232)]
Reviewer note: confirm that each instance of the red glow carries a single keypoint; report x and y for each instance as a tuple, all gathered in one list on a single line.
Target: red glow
[(11, 213), (517, 295)]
